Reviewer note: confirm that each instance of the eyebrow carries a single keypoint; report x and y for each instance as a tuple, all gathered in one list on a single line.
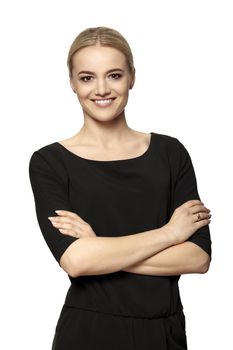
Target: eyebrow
[(109, 71)]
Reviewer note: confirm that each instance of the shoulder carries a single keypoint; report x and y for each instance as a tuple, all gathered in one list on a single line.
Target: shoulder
[(167, 142), (48, 157), (172, 149), (48, 151)]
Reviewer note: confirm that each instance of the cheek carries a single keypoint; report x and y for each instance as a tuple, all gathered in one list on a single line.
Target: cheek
[(83, 92), (121, 89), (125, 92)]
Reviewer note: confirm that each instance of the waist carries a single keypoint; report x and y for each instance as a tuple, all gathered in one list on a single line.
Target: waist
[(126, 294)]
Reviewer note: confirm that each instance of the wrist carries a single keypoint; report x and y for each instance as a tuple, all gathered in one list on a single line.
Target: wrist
[(167, 231)]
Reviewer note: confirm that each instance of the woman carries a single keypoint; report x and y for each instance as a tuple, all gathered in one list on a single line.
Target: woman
[(120, 211)]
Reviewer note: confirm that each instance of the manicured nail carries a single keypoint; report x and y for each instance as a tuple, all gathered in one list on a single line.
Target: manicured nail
[(57, 211)]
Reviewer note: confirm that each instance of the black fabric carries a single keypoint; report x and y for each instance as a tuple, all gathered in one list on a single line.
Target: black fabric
[(117, 198), (88, 330)]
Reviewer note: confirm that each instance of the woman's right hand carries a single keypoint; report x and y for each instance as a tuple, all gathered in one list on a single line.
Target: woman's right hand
[(186, 220), (71, 224)]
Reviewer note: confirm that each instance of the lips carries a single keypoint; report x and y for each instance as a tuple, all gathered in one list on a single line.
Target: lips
[(104, 102)]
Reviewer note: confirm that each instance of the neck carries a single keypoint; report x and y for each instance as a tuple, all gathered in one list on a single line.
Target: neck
[(104, 133)]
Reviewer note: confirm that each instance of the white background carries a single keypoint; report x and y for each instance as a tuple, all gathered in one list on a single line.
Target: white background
[(183, 57)]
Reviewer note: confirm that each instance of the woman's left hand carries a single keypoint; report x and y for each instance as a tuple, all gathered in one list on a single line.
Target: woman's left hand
[(71, 224)]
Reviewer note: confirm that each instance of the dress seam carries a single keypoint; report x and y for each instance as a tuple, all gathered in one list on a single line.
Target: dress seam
[(126, 316)]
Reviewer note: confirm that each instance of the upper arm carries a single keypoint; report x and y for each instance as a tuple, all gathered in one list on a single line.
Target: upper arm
[(50, 193), (184, 189)]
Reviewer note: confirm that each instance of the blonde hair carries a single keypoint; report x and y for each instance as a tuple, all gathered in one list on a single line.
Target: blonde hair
[(105, 37)]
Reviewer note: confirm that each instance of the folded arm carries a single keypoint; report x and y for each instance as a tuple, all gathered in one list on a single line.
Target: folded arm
[(102, 255), (148, 252), (176, 260)]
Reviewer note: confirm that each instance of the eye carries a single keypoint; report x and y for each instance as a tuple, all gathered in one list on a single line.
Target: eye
[(115, 76), (86, 78)]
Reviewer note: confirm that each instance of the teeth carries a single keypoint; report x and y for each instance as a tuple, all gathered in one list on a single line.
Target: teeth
[(103, 102)]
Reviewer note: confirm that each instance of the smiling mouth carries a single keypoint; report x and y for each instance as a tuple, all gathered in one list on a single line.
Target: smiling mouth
[(104, 102)]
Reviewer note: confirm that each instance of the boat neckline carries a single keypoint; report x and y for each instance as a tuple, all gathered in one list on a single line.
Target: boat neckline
[(144, 154)]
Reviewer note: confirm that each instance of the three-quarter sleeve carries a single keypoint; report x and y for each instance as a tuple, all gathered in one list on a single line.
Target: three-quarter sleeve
[(50, 194), (185, 188)]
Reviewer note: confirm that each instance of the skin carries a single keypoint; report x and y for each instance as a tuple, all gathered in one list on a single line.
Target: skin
[(105, 135)]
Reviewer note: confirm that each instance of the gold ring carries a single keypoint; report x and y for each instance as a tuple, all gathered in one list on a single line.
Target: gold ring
[(198, 217)]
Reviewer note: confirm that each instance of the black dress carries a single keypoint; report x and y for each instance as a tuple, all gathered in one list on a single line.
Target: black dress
[(119, 310)]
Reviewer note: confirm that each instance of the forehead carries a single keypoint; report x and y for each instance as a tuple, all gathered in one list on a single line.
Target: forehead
[(98, 58)]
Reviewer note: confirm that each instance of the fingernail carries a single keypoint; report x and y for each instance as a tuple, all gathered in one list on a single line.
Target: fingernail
[(57, 211), (51, 218)]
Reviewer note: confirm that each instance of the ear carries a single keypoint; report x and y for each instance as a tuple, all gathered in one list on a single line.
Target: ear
[(132, 79), (72, 85)]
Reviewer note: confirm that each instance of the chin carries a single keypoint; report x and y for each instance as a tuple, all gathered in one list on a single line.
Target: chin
[(104, 116), (104, 119)]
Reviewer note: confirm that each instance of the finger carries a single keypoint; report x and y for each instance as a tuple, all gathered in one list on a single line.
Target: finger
[(68, 213), (62, 219), (192, 202), (201, 216), (202, 223), (69, 232), (198, 208), (65, 213), (65, 222), (66, 225)]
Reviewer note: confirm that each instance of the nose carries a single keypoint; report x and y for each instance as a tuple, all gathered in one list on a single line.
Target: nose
[(102, 88)]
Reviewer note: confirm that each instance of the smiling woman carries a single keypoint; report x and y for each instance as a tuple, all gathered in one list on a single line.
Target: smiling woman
[(129, 220), (106, 84)]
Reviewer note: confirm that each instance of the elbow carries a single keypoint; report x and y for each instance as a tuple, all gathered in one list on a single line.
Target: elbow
[(70, 264), (75, 260), (72, 270), (205, 268), (76, 269), (204, 264)]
